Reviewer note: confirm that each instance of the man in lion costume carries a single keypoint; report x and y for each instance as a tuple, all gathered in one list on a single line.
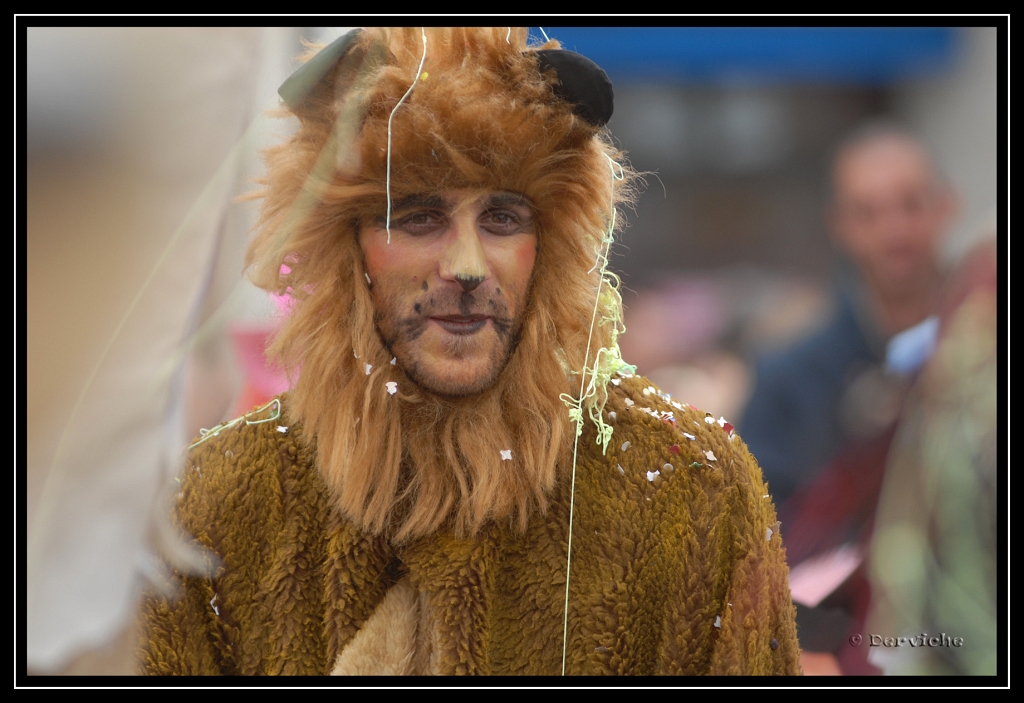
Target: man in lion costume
[(466, 477)]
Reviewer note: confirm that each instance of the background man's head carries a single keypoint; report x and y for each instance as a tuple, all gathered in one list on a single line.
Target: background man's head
[(891, 210)]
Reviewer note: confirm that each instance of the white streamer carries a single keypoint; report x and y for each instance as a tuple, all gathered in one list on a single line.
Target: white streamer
[(602, 261), (419, 72)]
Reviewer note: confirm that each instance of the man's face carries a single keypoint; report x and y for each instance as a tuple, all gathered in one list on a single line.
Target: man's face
[(890, 211), (450, 290)]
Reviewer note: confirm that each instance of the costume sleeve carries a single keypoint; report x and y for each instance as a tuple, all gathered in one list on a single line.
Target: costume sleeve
[(757, 624), (251, 500), (710, 581), (179, 636), (225, 509)]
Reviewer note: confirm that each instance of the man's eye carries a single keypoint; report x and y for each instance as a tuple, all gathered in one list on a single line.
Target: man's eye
[(419, 222), (502, 222)]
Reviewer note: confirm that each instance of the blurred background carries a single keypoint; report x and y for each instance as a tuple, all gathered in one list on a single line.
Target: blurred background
[(139, 329)]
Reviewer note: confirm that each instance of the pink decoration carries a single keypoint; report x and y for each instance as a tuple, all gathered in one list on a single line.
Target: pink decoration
[(284, 301), (261, 379)]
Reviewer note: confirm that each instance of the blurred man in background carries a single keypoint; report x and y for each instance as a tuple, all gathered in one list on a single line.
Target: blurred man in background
[(890, 211), (822, 414)]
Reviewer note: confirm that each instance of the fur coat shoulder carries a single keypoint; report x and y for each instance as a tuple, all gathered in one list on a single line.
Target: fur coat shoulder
[(677, 566)]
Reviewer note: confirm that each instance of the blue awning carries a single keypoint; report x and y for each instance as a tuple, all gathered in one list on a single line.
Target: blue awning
[(873, 56)]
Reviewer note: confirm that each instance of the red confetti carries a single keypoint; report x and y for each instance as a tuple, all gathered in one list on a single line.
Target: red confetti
[(728, 427), (674, 449)]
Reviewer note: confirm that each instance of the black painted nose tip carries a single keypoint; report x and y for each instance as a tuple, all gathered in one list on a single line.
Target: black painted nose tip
[(469, 283)]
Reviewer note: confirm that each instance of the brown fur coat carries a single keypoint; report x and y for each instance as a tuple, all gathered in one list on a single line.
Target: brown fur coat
[(672, 573)]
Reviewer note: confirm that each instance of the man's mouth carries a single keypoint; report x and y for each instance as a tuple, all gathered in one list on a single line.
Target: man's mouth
[(461, 324)]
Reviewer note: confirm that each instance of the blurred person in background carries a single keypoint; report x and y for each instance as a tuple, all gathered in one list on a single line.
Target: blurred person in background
[(890, 211), (823, 412)]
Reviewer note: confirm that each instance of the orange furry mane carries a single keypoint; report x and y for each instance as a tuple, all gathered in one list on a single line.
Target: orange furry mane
[(480, 115)]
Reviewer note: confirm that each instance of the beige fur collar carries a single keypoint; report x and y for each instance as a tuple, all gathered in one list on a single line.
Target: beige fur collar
[(432, 621)]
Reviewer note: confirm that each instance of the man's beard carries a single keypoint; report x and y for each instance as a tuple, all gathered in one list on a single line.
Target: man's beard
[(401, 335), (408, 463)]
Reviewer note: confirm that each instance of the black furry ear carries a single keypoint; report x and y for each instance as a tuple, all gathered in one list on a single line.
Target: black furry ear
[(300, 84), (581, 82)]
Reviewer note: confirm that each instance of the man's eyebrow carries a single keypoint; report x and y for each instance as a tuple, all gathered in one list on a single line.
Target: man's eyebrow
[(507, 199), (416, 200)]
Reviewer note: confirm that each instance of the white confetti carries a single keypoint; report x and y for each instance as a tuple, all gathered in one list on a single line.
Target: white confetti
[(506, 455), (721, 422), (677, 405), (718, 621), (213, 600), (696, 423), (652, 474), (668, 468), (710, 420), (625, 445), (710, 455), (616, 381), (368, 367), (367, 278), (282, 430), (625, 374), (612, 415), (628, 402), (765, 495), (768, 534), (621, 470), (689, 436), (647, 391), (394, 360), (392, 387)]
